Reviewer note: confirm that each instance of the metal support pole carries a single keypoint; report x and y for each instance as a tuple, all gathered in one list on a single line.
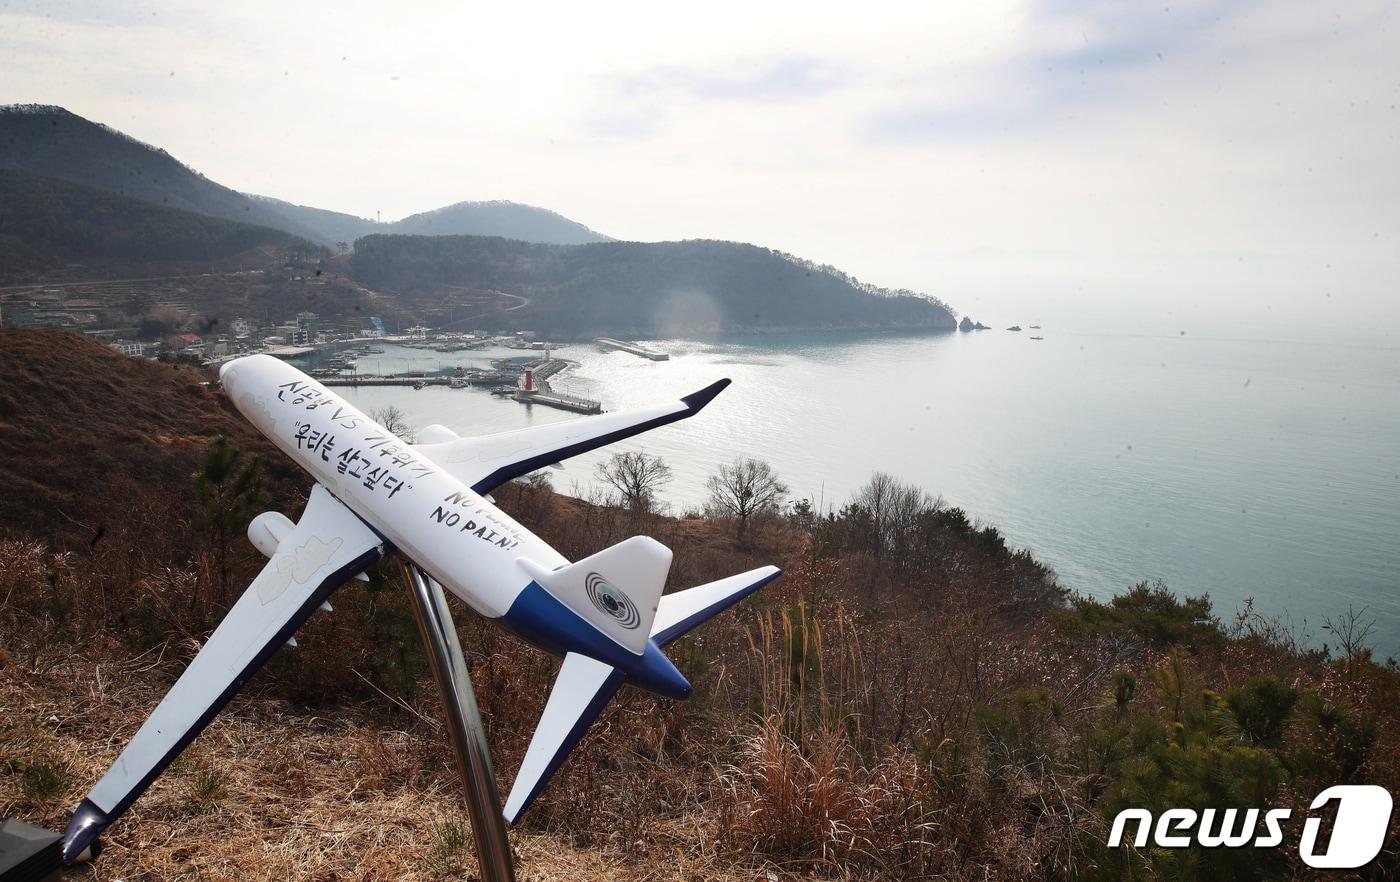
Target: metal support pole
[(464, 724)]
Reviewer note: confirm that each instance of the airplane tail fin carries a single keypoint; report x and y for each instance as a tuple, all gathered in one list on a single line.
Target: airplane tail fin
[(585, 685), (615, 590)]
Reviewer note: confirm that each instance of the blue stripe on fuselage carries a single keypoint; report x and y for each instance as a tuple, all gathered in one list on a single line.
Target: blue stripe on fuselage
[(540, 618)]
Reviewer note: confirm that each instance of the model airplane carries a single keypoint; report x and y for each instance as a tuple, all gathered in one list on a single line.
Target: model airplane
[(375, 495)]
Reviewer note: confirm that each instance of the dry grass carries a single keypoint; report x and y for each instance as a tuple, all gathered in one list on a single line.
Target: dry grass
[(268, 792)]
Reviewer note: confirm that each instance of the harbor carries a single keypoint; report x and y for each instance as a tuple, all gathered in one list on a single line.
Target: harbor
[(524, 380), (534, 389)]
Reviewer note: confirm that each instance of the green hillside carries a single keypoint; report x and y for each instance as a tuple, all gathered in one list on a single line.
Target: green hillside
[(50, 141), (46, 222), (641, 289)]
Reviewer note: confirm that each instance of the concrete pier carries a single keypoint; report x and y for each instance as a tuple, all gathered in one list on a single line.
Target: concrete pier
[(634, 348), (372, 380), (541, 394), (562, 401)]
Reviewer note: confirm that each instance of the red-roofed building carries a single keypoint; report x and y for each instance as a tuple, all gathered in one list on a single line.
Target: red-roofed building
[(180, 341)]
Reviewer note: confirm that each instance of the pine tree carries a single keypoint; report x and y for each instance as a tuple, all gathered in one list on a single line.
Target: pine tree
[(229, 491)]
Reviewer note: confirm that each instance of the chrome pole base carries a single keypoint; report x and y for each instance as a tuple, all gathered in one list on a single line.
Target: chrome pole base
[(464, 724)]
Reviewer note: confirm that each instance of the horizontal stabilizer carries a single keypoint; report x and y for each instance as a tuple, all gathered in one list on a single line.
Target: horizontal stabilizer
[(683, 610), (615, 590), (584, 687)]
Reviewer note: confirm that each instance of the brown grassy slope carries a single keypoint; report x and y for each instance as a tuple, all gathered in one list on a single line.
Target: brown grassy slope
[(796, 748), (911, 700), (331, 764), (273, 790), (92, 441)]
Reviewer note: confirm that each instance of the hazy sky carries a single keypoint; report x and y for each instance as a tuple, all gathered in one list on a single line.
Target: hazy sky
[(1016, 158)]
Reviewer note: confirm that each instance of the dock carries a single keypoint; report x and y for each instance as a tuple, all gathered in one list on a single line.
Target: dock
[(634, 348), (535, 389), (546, 369), (290, 351), (538, 392), (389, 380), (562, 401)]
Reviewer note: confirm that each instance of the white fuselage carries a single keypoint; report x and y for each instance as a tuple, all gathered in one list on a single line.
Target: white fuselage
[(453, 533)]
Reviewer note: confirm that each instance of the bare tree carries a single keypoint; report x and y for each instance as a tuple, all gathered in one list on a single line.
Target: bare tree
[(1353, 631), (395, 420), (743, 489), (637, 477), (534, 496), (893, 509)]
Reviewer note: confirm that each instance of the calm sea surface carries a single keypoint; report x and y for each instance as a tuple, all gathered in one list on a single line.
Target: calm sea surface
[(1242, 468)]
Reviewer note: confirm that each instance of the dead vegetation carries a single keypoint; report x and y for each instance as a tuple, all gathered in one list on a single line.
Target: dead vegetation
[(912, 700)]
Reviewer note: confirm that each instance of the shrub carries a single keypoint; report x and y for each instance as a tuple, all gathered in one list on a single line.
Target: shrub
[(1261, 708), (1149, 612)]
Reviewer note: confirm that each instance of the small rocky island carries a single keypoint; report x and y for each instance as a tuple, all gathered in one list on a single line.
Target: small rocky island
[(968, 324)]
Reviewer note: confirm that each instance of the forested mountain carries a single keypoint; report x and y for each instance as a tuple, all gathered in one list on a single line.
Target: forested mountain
[(76, 192), (640, 289), (46, 221), (500, 218), (330, 228), (50, 141), (509, 219)]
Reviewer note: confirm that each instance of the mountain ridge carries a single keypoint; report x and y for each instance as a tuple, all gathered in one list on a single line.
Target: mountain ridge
[(569, 281), (52, 141), (496, 217)]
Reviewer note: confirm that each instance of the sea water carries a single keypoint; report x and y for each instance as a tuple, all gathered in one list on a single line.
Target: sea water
[(1242, 468)]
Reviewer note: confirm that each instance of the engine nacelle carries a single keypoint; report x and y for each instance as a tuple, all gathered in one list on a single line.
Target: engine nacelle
[(266, 531), (435, 434)]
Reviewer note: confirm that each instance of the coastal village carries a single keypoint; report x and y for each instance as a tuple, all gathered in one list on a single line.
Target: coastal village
[(334, 346)]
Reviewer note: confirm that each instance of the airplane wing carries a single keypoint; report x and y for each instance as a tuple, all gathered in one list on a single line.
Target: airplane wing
[(486, 462), (327, 547), (584, 687)]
